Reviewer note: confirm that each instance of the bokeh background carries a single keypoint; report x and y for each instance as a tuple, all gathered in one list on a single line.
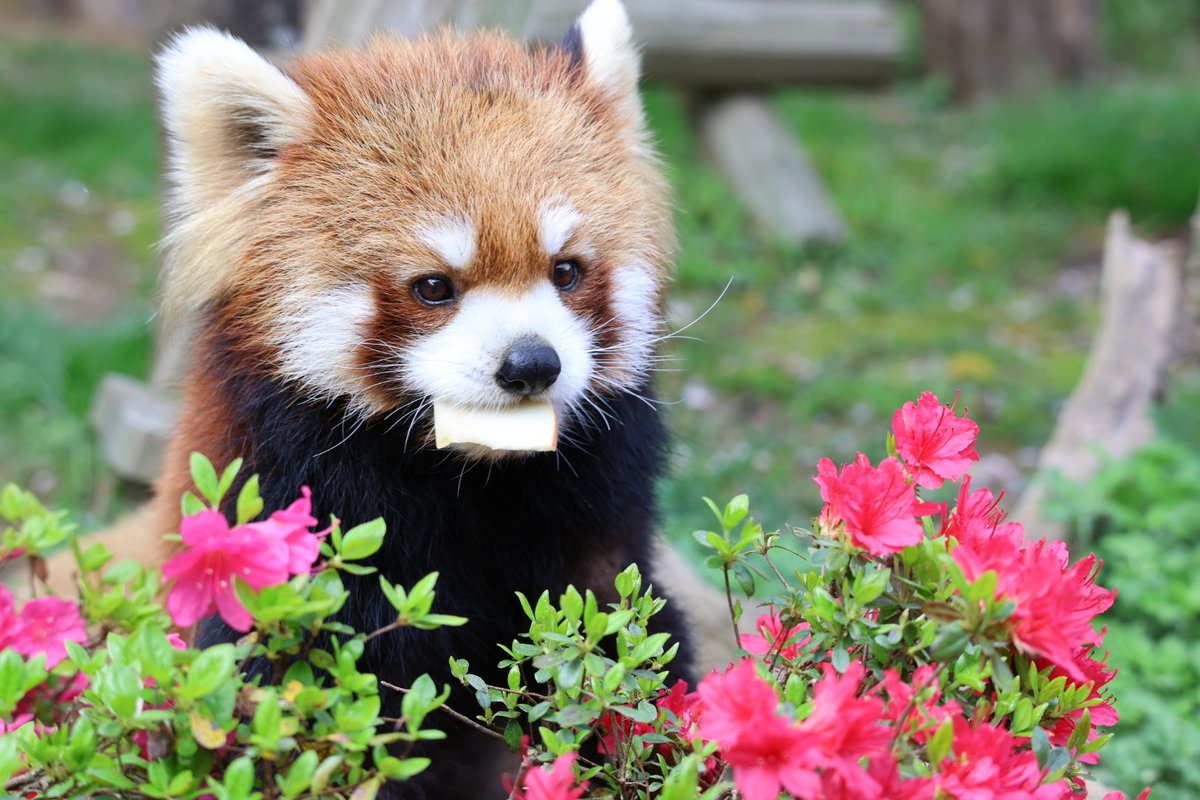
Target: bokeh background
[(974, 187)]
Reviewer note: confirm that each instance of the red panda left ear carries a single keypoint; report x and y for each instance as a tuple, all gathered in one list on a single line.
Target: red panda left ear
[(602, 42), (228, 113)]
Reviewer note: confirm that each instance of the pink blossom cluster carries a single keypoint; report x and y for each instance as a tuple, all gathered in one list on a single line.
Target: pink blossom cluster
[(1056, 601), (259, 554), (843, 749), (877, 509), (43, 626)]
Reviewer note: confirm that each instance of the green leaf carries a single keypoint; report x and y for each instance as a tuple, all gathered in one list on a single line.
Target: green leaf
[(180, 783), (397, 769), (300, 775), (363, 540), (1001, 673), (1041, 746), (939, 744), (192, 505), (227, 477), (735, 511), (239, 778), (841, 658), (205, 478), (249, 504), (324, 772), (212, 668)]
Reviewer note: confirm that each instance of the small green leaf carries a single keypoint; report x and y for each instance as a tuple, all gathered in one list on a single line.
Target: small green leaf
[(363, 540), (239, 777), (205, 478), (249, 504)]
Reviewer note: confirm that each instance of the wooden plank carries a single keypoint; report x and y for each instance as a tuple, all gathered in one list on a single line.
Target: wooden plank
[(350, 22), (695, 43), (768, 168), (134, 422), (750, 43), (1109, 413)]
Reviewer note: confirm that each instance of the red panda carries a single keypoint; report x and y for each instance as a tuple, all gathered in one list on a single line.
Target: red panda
[(451, 221)]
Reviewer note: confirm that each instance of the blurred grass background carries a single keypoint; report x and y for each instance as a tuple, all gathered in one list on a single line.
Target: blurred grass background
[(972, 267)]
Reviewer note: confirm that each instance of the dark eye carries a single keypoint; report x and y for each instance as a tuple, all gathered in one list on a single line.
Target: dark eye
[(434, 290), (566, 274)]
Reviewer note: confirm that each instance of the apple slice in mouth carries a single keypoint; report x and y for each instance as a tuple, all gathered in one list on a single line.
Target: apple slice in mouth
[(528, 426)]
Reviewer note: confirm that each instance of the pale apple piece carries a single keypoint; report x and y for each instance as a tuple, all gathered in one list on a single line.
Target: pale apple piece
[(531, 426)]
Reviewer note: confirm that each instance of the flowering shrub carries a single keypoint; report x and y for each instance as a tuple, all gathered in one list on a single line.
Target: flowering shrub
[(922, 650)]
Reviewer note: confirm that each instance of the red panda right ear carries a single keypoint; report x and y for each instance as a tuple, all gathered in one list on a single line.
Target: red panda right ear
[(227, 112), (601, 41)]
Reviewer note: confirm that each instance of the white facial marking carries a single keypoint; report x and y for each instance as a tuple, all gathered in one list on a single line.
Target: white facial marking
[(454, 240), (555, 226), (635, 304), (458, 364), (319, 336)]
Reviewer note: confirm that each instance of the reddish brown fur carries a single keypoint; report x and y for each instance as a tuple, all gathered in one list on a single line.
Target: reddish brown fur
[(404, 133)]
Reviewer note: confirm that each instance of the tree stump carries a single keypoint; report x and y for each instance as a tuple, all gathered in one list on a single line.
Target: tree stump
[(1109, 413)]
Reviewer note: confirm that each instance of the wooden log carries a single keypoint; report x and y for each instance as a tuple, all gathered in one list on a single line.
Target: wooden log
[(1109, 413), (133, 421), (752, 43), (695, 43), (769, 169)]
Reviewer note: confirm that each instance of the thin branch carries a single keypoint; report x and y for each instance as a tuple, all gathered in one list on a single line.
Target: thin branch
[(460, 717), (737, 636)]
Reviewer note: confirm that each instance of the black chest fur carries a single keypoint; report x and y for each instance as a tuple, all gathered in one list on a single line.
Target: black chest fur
[(527, 524)]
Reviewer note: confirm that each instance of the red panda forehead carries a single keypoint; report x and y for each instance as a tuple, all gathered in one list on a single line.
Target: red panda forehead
[(447, 147), (401, 91)]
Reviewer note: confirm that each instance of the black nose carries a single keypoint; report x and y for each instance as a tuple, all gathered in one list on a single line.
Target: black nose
[(529, 367)]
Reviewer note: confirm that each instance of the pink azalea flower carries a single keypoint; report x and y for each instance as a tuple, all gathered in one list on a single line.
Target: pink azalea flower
[(1056, 604), (771, 756), (772, 637), (877, 504), (912, 706), (845, 728), (985, 540), (204, 573), (936, 445), (987, 765), (258, 553), (886, 783), (734, 701), (47, 623), (555, 782), (292, 526), (767, 752), (11, 626)]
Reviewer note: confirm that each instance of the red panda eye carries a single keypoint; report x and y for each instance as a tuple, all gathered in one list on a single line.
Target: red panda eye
[(566, 274), (434, 290)]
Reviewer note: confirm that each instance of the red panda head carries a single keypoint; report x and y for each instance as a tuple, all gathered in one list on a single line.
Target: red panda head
[(453, 219)]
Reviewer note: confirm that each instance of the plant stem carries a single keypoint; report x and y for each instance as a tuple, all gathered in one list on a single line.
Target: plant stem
[(737, 636), (460, 717)]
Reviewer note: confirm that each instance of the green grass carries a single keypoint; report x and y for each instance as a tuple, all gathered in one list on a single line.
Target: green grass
[(952, 280), (960, 223), (79, 202)]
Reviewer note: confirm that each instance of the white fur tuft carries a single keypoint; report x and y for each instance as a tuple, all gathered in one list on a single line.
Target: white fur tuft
[(452, 238), (555, 225), (609, 54), (226, 110)]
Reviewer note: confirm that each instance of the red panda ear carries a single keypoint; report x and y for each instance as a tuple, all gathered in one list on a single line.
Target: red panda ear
[(602, 42), (227, 112)]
